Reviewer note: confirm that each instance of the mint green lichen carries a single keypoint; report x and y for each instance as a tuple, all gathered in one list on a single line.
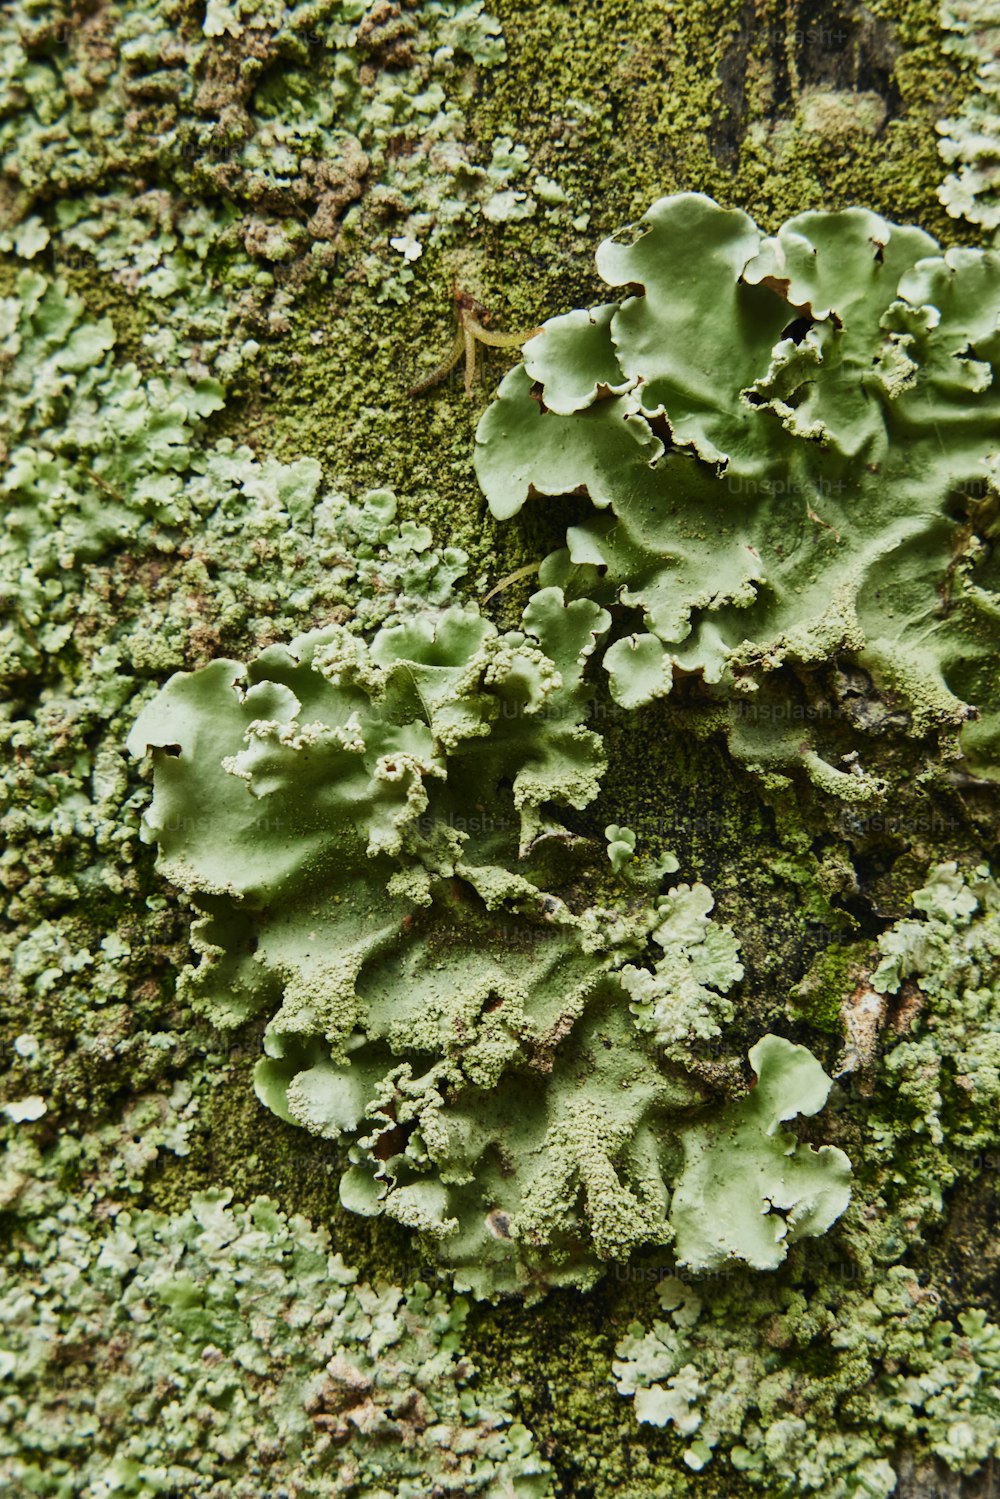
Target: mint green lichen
[(806, 1382), (621, 846), (209, 307), (373, 835), (937, 1047), (970, 140), (726, 1392), (323, 127), (789, 444), (615, 104), (683, 995), (234, 1353), (946, 1068), (90, 449), (748, 1188), (97, 454)]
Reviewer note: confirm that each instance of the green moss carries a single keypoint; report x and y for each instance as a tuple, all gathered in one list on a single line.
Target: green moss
[(819, 996)]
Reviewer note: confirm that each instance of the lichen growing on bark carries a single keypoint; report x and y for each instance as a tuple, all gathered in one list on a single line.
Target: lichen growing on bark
[(749, 1189), (788, 442), (932, 1372), (710, 1379), (234, 1351), (549, 137), (377, 836), (970, 140)]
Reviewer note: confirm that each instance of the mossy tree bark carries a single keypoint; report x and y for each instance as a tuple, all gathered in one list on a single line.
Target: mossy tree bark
[(768, 105)]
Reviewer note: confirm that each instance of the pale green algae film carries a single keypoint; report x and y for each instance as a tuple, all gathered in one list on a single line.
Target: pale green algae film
[(199, 427)]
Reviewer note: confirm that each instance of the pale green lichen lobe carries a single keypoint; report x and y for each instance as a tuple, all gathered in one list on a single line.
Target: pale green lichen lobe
[(796, 1191)]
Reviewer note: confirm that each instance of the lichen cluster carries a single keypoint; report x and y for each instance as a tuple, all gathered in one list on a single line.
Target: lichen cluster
[(390, 1032), (378, 837), (737, 1377), (788, 444), (713, 1377), (322, 130), (226, 1350), (91, 449), (970, 140)]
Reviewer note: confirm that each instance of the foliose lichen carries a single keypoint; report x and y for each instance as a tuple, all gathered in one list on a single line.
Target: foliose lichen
[(808, 1381), (225, 1350), (944, 966), (788, 443), (373, 833), (90, 448), (970, 140), (747, 1391), (98, 454), (99, 1055), (797, 1191), (325, 128)]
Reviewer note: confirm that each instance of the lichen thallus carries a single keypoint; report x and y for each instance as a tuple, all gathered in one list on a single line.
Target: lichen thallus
[(471, 318)]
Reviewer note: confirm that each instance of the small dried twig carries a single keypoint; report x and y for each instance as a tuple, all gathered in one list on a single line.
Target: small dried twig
[(472, 330)]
